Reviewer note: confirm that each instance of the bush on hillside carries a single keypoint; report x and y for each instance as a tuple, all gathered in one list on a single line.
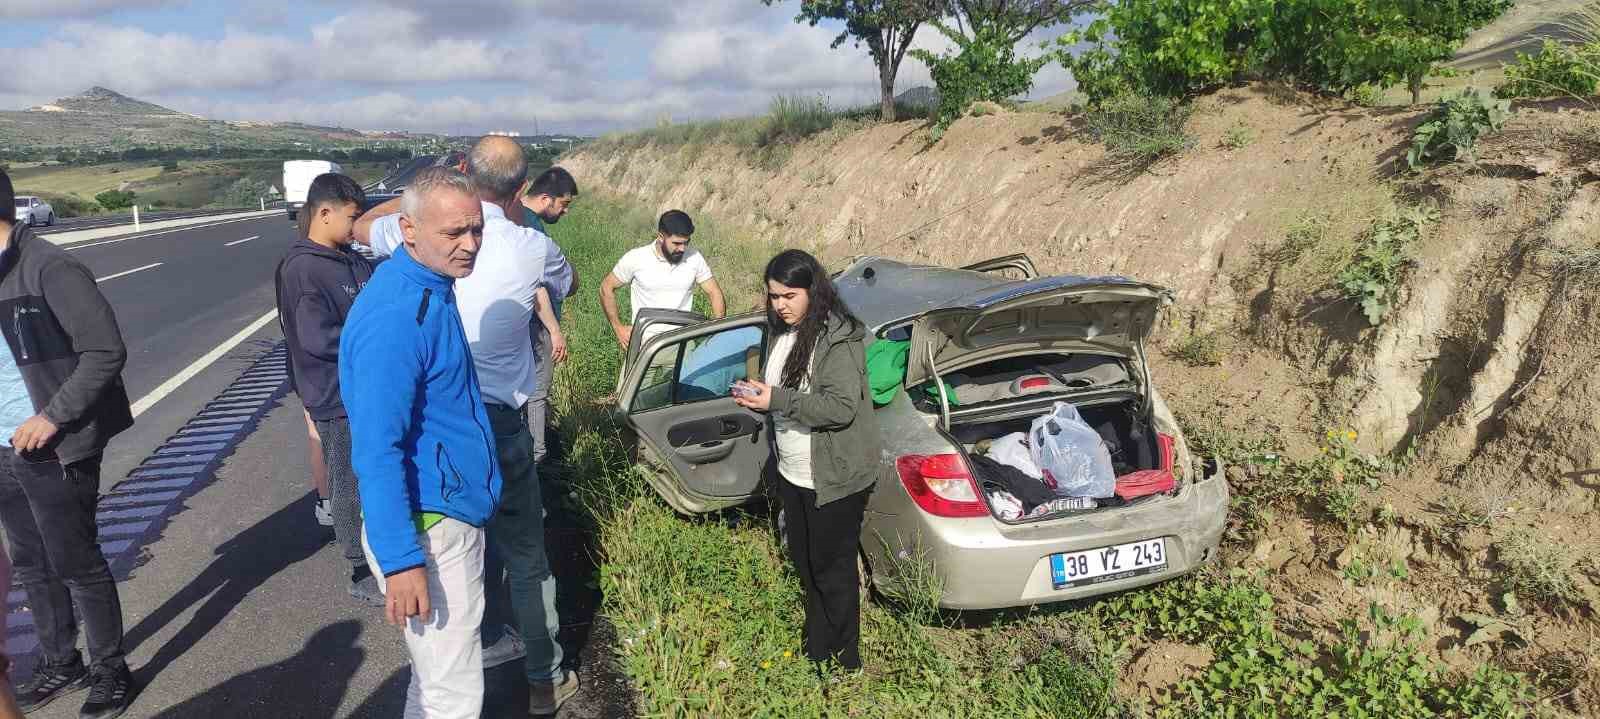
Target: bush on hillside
[(244, 192), (1453, 130), (115, 199), (1177, 47), (1140, 129), (1557, 69), (984, 67)]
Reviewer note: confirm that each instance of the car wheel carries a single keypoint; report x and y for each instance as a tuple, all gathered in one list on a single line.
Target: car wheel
[(50, 220)]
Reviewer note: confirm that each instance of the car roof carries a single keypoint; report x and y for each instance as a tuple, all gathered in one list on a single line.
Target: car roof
[(883, 292)]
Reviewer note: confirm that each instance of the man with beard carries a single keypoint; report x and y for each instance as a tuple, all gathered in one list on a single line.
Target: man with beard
[(660, 275), (546, 201)]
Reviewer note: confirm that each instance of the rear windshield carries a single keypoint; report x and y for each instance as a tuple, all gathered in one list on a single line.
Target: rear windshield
[(22, 202)]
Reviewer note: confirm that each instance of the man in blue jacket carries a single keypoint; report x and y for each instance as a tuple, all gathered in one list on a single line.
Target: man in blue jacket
[(317, 282), (423, 450)]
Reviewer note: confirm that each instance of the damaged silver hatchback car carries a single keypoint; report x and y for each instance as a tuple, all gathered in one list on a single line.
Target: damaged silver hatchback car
[(988, 348)]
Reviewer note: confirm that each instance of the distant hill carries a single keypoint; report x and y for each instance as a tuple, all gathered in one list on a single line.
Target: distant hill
[(103, 120), (99, 100)]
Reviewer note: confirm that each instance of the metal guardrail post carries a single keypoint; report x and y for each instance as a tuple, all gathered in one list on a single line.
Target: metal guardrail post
[(136, 217)]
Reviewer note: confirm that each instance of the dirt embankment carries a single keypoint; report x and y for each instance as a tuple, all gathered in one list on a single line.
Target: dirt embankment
[(1485, 368)]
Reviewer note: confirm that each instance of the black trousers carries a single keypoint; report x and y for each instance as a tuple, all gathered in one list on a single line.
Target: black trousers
[(823, 544), (48, 512)]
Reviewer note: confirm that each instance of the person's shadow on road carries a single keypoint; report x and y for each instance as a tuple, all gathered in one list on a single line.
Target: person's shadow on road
[(243, 564), (311, 684)]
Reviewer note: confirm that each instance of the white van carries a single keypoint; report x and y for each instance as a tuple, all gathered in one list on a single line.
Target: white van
[(297, 177)]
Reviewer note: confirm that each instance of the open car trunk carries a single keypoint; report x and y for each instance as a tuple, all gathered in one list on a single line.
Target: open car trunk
[(1121, 422), (997, 398)]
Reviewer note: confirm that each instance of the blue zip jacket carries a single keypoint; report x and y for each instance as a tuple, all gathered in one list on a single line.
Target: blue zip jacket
[(419, 433)]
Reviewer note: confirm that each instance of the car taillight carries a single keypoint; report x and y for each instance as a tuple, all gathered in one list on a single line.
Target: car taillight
[(941, 485)]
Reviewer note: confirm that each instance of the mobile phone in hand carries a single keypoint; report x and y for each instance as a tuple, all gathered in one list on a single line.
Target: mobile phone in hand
[(740, 389)]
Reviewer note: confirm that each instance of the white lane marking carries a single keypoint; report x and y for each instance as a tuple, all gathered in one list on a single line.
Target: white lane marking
[(163, 232), (125, 273), (188, 373), (240, 242)]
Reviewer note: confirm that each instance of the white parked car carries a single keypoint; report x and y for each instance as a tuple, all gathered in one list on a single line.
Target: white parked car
[(34, 211)]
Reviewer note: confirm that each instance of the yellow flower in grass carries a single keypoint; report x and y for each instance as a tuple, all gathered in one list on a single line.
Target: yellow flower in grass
[(787, 654), (766, 665), (1350, 435)]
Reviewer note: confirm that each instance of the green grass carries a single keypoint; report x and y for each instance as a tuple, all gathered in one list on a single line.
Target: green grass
[(763, 140), (708, 614), (1536, 569), (1200, 349), (1138, 130)]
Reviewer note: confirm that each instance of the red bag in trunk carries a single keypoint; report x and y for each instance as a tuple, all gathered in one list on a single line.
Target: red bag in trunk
[(1144, 483)]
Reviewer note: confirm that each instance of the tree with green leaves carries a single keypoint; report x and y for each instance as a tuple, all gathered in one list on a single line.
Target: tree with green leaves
[(1010, 21), (985, 65), (885, 26), (1177, 47)]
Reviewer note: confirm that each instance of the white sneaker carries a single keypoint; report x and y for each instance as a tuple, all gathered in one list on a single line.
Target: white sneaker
[(324, 512), (510, 648)]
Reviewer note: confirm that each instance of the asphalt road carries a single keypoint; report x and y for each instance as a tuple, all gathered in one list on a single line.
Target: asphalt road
[(178, 295), (238, 607)]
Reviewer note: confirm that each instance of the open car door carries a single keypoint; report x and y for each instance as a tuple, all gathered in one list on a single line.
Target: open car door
[(652, 322), (1018, 264), (701, 451)]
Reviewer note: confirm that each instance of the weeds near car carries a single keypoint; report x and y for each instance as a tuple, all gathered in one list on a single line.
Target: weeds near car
[(1537, 569), (1259, 671), (1140, 129), (1199, 349), (1238, 137), (1373, 276), (1453, 130)]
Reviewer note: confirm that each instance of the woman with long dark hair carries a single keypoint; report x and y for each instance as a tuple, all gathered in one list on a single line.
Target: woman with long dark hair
[(826, 457)]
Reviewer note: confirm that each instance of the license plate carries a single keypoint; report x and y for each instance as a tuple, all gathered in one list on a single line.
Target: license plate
[(1107, 564)]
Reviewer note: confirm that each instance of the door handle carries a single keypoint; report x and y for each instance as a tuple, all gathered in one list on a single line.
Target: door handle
[(706, 452), (730, 428)]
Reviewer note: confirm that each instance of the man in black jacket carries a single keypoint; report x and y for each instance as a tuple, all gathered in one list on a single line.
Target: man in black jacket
[(61, 401), (317, 283)]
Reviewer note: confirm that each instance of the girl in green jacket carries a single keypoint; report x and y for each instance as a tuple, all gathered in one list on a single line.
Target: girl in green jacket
[(826, 443)]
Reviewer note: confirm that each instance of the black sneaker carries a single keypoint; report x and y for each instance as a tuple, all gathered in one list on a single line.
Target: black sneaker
[(111, 692), (49, 683)]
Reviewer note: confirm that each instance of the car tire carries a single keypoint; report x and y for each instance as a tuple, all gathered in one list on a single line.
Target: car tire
[(50, 220)]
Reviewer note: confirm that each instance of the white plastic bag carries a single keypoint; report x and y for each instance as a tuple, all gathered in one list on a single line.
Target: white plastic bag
[(1006, 506), (1012, 450), (1071, 455)]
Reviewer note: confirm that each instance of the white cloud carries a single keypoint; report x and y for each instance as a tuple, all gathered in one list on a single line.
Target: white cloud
[(72, 8), (471, 65)]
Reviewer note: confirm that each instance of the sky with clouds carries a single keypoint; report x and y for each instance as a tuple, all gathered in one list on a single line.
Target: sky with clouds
[(468, 66)]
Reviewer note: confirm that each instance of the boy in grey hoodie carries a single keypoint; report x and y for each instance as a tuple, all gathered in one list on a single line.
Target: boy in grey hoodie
[(317, 282)]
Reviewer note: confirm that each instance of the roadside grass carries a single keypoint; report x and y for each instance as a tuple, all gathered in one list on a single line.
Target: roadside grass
[(1200, 349), (82, 181), (196, 183), (764, 140), (708, 614)]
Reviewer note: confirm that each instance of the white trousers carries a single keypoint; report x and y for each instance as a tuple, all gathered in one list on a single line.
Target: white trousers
[(446, 659)]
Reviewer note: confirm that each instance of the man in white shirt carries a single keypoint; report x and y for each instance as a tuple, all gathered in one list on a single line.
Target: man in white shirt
[(660, 275), (496, 303)]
